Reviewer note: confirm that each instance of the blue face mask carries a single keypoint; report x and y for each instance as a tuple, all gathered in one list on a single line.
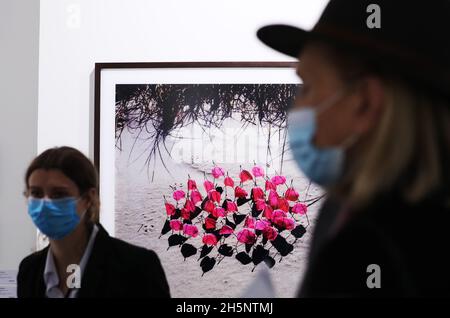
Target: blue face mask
[(55, 218), (323, 166)]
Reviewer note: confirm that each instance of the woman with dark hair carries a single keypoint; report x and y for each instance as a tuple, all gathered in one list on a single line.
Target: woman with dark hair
[(82, 260), (371, 125)]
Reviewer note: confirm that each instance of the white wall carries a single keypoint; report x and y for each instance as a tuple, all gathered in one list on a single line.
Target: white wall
[(19, 36), (75, 34)]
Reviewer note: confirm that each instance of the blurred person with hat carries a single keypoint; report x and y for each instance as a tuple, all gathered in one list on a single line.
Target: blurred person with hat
[(371, 125)]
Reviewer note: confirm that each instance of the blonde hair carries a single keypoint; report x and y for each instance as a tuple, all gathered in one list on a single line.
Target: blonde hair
[(409, 150), (406, 152)]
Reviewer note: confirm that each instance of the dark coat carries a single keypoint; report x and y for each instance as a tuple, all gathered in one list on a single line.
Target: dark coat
[(410, 243), (114, 269)]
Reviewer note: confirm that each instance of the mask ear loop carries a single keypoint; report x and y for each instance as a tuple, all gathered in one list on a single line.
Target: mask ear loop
[(322, 107), (85, 211), (336, 97), (351, 140)]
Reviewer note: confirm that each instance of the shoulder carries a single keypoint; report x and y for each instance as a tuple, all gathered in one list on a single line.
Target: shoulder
[(30, 273), (342, 265), (123, 255), (32, 261), (139, 265), (361, 240), (388, 235), (128, 252)]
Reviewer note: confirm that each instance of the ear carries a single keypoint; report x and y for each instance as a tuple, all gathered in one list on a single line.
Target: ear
[(369, 111), (90, 196)]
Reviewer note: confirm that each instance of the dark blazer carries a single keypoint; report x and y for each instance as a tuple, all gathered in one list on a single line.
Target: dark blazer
[(410, 244), (114, 269)]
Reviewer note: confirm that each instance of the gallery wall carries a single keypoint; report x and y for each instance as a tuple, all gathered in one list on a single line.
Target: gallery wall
[(19, 42), (76, 34)]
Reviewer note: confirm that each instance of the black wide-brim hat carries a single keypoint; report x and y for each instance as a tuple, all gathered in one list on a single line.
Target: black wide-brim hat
[(412, 40)]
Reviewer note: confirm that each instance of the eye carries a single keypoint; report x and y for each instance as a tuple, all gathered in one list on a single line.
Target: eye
[(35, 193), (59, 195)]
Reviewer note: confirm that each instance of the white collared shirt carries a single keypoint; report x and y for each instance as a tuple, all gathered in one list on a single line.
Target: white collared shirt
[(51, 278)]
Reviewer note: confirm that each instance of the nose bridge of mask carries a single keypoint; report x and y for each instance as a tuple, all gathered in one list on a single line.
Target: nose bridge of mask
[(306, 117), (329, 102), (35, 204), (47, 199), (39, 203)]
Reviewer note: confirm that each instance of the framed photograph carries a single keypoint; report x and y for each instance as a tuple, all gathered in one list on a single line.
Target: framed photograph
[(159, 126)]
